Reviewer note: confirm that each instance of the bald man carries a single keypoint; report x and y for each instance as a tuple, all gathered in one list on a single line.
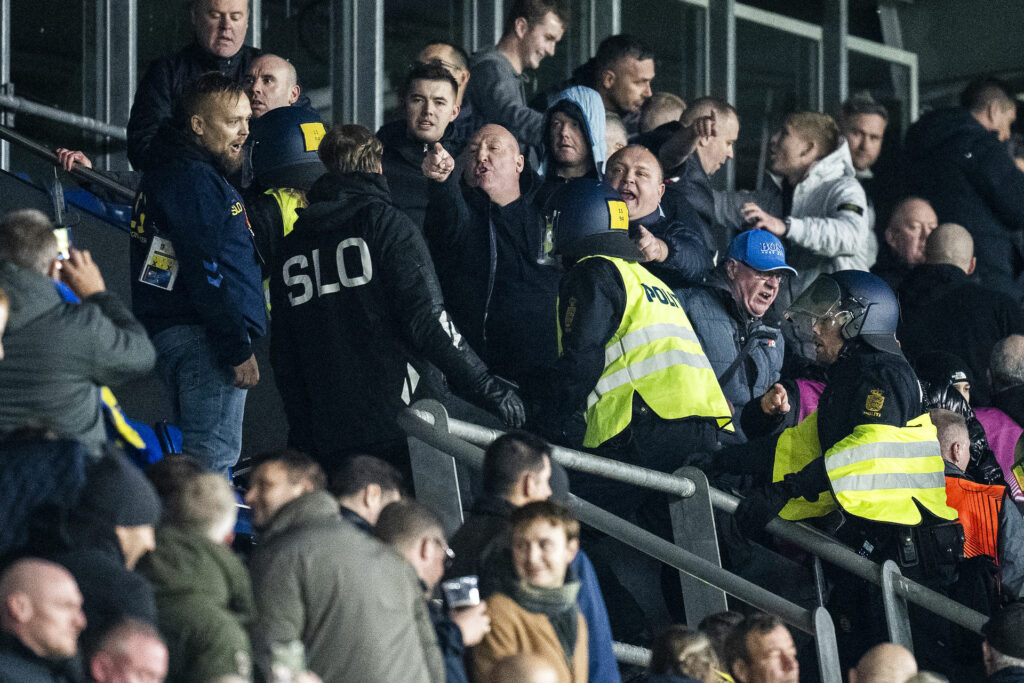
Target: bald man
[(674, 250), (271, 82), (41, 618), (912, 221), (884, 663), (504, 304), (945, 310)]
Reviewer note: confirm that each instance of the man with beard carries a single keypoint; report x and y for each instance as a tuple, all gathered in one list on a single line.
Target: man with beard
[(196, 274)]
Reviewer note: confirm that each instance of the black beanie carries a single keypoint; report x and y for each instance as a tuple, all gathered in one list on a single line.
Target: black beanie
[(118, 493)]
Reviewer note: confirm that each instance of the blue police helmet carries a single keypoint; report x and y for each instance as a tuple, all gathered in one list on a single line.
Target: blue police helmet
[(861, 302), (588, 218), (285, 143)]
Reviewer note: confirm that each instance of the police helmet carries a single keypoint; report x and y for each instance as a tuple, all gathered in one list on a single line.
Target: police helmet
[(588, 218), (285, 143), (862, 304)]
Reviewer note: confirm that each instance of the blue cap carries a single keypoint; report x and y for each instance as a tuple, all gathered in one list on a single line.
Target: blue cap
[(760, 250)]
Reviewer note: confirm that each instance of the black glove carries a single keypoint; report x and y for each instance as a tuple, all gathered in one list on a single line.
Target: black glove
[(499, 397), (761, 507)]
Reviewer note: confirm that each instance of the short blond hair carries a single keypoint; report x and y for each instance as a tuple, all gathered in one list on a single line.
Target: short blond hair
[(821, 129), (351, 148)]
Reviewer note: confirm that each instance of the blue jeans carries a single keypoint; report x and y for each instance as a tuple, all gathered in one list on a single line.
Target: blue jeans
[(207, 406)]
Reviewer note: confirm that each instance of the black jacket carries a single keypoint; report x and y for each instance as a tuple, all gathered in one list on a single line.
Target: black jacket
[(402, 163), (689, 198), (690, 256), (449, 639), (158, 96), (970, 179), (499, 288), (18, 664), (187, 200), (356, 303), (943, 310), (1011, 402)]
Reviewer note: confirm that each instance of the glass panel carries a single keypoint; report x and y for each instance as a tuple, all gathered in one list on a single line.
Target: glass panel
[(776, 73), (676, 33), (301, 33), (889, 84), (49, 65), (163, 28), (408, 25)]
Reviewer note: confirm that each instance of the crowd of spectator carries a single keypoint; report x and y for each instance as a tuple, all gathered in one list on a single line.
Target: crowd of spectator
[(431, 260)]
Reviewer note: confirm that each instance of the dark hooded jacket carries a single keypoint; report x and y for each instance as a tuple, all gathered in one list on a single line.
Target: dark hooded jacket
[(355, 302), (583, 105), (499, 287), (158, 97), (22, 665), (943, 310), (970, 179)]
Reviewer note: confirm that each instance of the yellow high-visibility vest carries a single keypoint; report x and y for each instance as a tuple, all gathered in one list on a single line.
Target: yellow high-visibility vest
[(656, 353), (289, 201), (798, 446), (879, 470)]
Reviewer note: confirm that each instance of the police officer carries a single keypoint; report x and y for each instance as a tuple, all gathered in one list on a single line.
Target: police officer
[(355, 305), (285, 165), (868, 451), (628, 355)]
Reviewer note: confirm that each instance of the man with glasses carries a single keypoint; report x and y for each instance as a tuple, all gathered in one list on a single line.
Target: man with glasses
[(415, 532), (733, 316)]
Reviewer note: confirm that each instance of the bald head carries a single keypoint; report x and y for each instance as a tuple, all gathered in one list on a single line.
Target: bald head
[(1006, 364), (953, 245), (523, 668), (42, 607), (271, 83), (885, 663), (912, 222), (634, 172), (494, 164)]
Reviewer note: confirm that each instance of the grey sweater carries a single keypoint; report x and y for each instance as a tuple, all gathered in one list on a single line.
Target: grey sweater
[(497, 94), (57, 355)]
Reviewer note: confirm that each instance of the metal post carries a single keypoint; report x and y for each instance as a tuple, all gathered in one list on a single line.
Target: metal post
[(902, 85), (256, 23), (693, 529), (835, 59), (722, 60), (488, 22), (357, 62), (117, 71), (6, 87), (434, 474), (896, 615), (826, 646)]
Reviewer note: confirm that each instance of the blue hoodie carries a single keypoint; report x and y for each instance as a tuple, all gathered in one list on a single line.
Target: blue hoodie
[(591, 110)]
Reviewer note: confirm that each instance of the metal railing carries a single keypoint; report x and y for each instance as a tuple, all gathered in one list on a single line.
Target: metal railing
[(428, 419), (85, 123), (78, 171)]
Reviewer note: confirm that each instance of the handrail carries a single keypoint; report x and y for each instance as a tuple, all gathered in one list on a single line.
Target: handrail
[(89, 125), (424, 425), (802, 535), (78, 171)]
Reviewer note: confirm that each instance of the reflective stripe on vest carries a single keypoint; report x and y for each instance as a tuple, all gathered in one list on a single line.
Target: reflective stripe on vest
[(655, 353), (878, 471), (796, 448), (978, 506)]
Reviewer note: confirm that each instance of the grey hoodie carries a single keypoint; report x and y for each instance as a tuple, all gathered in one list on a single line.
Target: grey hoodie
[(57, 355)]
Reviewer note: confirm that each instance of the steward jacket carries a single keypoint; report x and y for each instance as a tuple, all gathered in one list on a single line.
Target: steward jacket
[(158, 97), (188, 201), (623, 332), (992, 526), (57, 355), (205, 605), (725, 329), (402, 163), (356, 304), (498, 285), (963, 170), (941, 309), (355, 604)]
